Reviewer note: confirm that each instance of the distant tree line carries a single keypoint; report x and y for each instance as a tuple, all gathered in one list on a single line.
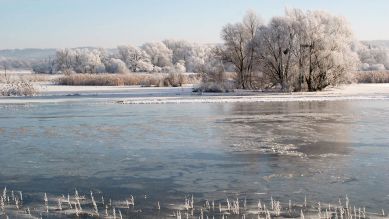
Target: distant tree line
[(372, 58), (166, 56)]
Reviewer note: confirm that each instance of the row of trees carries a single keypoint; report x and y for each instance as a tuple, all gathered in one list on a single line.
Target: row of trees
[(298, 51), (166, 56)]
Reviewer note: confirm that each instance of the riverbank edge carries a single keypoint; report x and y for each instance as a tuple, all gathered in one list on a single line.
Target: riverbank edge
[(176, 95)]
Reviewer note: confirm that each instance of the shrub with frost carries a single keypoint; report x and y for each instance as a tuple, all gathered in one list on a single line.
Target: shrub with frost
[(136, 59), (116, 66), (159, 54), (17, 88), (144, 66), (180, 66)]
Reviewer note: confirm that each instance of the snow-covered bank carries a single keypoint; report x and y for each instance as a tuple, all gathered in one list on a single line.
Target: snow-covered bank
[(159, 95), (48, 89), (243, 99)]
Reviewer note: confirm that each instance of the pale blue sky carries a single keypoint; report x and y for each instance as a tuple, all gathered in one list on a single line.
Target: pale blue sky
[(108, 23)]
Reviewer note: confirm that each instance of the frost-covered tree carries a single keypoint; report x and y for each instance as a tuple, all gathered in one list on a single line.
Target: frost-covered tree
[(79, 61), (180, 66), (239, 49), (144, 66), (326, 41), (274, 44), (193, 56), (181, 50), (201, 55), (305, 50), (135, 58), (159, 54), (87, 61), (64, 59), (311, 50)]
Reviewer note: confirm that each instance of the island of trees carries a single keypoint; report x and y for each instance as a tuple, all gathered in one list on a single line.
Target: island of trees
[(299, 51)]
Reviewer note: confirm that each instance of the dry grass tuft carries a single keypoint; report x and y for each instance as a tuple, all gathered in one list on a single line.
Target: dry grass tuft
[(38, 77), (371, 76), (142, 79)]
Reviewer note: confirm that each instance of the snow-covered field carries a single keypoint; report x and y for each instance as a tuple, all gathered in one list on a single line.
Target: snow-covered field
[(149, 95)]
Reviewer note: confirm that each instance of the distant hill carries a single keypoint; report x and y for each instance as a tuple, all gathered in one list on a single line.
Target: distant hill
[(23, 58), (378, 43), (37, 53), (26, 58), (29, 54)]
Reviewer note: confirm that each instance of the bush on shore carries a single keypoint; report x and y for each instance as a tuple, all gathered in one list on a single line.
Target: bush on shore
[(17, 88), (214, 87)]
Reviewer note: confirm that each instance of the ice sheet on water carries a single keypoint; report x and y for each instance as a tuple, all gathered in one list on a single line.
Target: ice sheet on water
[(268, 148)]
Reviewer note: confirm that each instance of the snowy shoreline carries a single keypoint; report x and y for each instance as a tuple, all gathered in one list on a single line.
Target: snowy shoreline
[(169, 95)]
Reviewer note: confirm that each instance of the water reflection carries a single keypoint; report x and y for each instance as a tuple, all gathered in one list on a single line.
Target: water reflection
[(310, 128)]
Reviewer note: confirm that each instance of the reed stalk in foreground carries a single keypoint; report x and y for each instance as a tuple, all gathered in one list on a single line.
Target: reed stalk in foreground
[(80, 206)]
